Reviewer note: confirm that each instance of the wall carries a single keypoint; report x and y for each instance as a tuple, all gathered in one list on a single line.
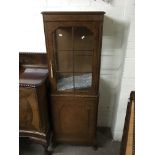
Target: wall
[(116, 81), (127, 79)]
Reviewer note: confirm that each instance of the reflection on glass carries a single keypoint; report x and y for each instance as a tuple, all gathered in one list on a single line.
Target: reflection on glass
[(65, 81), (83, 39), (83, 61), (64, 38), (64, 61), (83, 81)]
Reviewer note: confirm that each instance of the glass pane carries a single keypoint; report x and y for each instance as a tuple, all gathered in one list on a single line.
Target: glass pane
[(83, 81), (74, 52), (83, 39), (65, 82), (83, 61), (64, 61), (64, 38)]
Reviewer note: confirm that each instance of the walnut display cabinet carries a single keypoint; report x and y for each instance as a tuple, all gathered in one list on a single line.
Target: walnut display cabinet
[(73, 43)]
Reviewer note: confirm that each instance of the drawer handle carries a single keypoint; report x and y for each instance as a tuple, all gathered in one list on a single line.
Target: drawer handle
[(51, 70)]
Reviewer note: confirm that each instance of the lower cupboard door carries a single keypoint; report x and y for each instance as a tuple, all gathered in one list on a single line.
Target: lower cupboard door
[(75, 121)]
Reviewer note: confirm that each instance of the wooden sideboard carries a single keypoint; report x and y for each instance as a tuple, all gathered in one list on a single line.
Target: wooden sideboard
[(33, 99)]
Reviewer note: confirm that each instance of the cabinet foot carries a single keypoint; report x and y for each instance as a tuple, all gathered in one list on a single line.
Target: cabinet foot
[(54, 145), (95, 145), (46, 151)]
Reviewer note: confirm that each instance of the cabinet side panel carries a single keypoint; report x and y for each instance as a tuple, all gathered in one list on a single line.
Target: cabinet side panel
[(43, 107)]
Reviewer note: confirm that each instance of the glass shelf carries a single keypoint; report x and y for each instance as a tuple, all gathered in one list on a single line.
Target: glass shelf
[(78, 81)]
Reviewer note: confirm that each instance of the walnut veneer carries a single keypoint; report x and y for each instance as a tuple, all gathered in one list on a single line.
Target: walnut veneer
[(33, 99)]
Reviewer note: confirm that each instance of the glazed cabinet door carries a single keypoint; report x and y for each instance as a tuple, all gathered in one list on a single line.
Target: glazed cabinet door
[(73, 56), (74, 119)]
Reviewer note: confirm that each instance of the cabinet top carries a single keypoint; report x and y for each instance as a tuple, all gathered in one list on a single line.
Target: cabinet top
[(73, 16), (72, 12)]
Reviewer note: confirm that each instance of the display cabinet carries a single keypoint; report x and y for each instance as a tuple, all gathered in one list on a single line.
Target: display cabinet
[(73, 42)]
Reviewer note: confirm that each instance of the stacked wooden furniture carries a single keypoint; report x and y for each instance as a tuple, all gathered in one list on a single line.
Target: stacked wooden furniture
[(73, 42), (33, 101), (128, 139)]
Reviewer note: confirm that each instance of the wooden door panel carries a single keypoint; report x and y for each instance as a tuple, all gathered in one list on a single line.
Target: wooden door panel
[(68, 114), (28, 110), (74, 117)]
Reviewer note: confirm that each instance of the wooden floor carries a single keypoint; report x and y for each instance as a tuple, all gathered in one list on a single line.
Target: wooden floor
[(106, 146)]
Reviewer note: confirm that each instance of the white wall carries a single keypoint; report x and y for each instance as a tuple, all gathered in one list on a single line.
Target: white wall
[(127, 81), (115, 83)]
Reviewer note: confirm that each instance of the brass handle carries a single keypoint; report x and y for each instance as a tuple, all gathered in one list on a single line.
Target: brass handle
[(51, 70)]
